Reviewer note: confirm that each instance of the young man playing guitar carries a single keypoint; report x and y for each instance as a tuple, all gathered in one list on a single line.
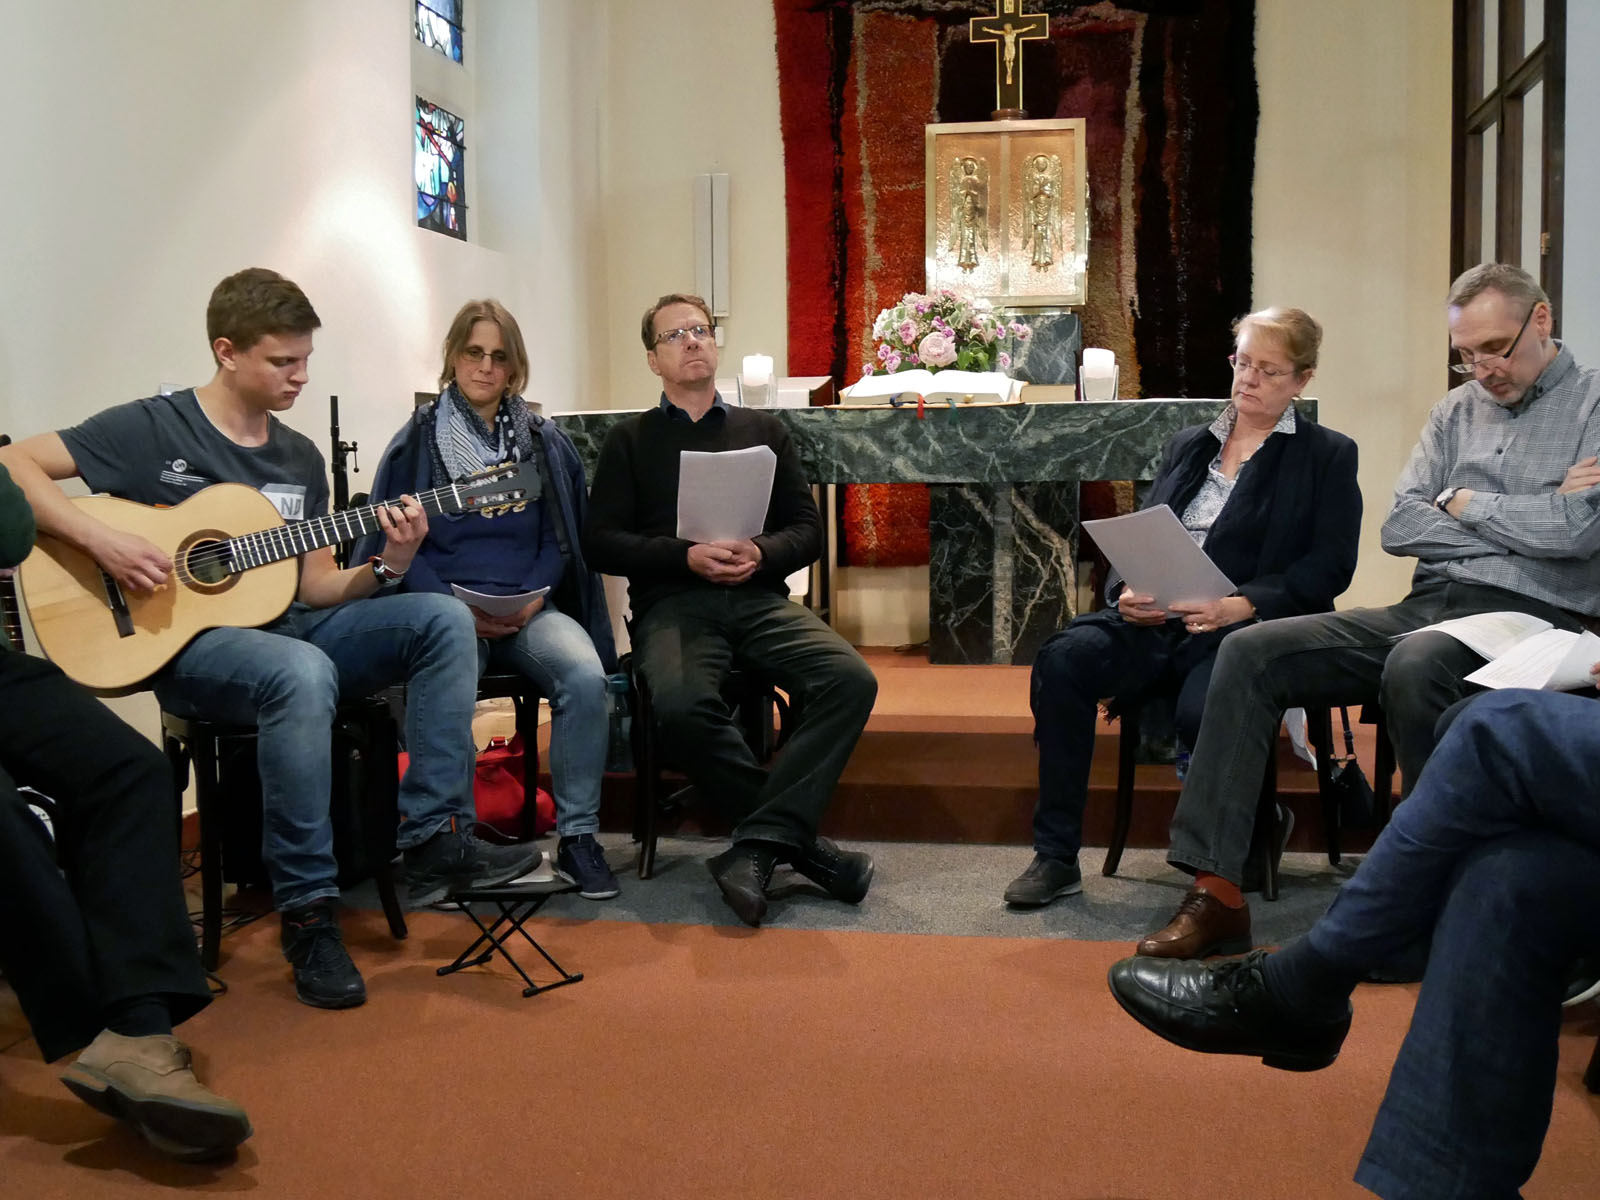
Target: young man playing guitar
[(287, 677)]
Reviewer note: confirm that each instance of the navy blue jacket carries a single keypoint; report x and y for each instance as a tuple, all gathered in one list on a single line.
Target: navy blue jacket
[(1289, 534), (407, 468)]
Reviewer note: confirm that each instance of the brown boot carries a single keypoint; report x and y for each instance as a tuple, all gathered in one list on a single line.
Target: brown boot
[(148, 1082), (1202, 926)]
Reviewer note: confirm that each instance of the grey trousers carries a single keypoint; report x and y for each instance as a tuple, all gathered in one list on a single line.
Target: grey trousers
[(1327, 659)]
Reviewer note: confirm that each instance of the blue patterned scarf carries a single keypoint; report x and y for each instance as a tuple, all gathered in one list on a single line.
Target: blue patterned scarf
[(462, 444)]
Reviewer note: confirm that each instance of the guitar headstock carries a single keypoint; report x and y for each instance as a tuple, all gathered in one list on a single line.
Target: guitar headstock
[(496, 490)]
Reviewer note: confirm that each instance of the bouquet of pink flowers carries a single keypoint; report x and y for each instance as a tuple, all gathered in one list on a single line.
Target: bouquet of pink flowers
[(942, 330)]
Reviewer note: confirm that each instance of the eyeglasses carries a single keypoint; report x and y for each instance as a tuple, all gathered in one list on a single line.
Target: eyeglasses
[(673, 336), (476, 354), (1240, 363), (1468, 365)]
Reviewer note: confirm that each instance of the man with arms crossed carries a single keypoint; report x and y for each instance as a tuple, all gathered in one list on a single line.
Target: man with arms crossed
[(1498, 505), (288, 677), (700, 608)]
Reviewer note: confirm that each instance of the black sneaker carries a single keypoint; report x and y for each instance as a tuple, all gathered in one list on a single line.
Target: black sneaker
[(455, 858), (580, 860), (324, 976), (1225, 1008), (1044, 880), (843, 874)]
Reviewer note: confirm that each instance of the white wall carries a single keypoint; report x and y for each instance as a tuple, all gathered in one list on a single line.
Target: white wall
[(1580, 267), (1352, 223), (170, 142), (693, 89)]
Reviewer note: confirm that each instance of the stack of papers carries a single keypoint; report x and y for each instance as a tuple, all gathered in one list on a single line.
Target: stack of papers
[(1524, 651), (723, 497), (1155, 556)]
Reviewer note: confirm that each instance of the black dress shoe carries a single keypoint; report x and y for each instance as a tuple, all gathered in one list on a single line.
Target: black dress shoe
[(1225, 1008), (843, 874), (743, 872)]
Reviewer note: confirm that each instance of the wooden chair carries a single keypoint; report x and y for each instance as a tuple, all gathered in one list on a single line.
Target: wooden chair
[(765, 717), (366, 785)]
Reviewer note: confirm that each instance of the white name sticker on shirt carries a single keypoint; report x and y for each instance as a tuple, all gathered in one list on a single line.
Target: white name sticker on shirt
[(288, 498)]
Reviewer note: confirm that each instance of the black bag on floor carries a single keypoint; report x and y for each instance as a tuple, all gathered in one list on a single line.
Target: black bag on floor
[(1358, 805)]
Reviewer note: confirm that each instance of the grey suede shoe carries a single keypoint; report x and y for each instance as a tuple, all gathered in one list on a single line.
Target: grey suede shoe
[(149, 1082)]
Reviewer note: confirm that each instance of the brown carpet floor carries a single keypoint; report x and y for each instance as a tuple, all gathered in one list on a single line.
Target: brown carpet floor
[(707, 1061)]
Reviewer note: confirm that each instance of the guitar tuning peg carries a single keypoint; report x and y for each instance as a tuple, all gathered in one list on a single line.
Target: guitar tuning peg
[(519, 506)]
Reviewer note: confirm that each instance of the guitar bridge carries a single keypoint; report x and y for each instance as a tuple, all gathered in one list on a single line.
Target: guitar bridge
[(118, 604)]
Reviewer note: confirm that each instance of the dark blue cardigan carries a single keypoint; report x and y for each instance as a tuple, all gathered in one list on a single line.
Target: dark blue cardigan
[(407, 468), (1289, 534)]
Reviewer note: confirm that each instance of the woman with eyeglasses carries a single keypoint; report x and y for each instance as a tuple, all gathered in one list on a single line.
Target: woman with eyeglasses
[(1272, 499), (559, 637)]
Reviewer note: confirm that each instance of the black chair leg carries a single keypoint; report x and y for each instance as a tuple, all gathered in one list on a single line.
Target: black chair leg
[(383, 877), (1269, 823), (1591, 1077), (1319, 732), (647, 784), (1127, 757), (207, 785)]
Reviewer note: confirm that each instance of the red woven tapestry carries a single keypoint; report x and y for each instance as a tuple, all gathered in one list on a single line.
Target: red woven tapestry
[(1169, 92)]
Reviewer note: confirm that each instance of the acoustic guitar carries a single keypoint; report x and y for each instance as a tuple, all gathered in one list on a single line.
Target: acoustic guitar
[(234, 563)]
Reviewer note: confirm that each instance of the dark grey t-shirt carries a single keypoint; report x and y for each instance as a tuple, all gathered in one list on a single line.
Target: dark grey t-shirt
[(165, 449)]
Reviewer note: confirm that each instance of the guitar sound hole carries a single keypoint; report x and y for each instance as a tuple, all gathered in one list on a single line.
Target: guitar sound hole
[(207, 562)]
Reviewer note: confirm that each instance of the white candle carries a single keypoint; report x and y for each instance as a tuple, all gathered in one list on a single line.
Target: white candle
[(757, 370)]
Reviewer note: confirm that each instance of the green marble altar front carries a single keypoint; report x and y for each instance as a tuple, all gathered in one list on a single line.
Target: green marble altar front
[(1004, 513)]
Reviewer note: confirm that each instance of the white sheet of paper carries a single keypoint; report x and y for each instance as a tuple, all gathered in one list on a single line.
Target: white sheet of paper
[(1490, 634), (724, 496), (1156, 556), (496, 606), (1556, 660)]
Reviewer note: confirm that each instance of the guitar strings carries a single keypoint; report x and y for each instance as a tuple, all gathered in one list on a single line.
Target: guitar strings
[(221, 554)]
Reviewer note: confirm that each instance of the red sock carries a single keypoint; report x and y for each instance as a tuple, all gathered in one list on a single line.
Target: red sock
[(1219, 887)]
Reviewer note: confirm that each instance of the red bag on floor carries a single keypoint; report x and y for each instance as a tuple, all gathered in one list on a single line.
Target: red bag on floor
[(499, 795)]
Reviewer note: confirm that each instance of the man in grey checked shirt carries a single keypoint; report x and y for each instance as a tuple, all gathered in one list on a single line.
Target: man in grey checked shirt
[(1499, 505)]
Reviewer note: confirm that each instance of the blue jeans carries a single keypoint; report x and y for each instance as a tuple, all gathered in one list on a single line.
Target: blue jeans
[(1497, 852), (288, 677), (554, 653)]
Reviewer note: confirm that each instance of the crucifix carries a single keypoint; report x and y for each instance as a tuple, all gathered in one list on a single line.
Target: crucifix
[(1009, 27)]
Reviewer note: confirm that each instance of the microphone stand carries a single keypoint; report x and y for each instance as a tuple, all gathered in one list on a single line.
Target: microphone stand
[(341, 475)]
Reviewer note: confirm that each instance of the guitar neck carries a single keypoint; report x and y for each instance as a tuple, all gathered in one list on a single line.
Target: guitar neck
[(294, 538)]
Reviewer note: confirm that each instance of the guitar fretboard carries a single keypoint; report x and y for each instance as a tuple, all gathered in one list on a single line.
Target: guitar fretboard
[(294, 538)]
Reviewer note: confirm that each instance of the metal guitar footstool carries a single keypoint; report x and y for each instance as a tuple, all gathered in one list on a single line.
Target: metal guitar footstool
[(517, 902)]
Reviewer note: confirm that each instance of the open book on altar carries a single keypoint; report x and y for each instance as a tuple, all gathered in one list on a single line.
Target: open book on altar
[(991, 387), (1524, 651)]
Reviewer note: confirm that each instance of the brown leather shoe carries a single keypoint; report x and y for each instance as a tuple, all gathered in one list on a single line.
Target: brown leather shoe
[(1202, 926)]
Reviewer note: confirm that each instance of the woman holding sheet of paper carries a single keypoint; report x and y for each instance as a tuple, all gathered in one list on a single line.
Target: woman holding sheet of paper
[(543, 614), (1272, 499)]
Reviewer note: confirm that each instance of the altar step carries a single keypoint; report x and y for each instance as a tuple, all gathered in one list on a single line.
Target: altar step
[(948, 756)]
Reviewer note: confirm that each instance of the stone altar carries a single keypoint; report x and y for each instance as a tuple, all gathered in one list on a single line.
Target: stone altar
[(1006, 526)]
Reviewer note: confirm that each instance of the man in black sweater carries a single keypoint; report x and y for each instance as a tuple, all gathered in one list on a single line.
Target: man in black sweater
[(700, 608)]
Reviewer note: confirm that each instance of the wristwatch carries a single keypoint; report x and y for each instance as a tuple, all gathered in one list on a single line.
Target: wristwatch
[(1443, 498), (384, 572)]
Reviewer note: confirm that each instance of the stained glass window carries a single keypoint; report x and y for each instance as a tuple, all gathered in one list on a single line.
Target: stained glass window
[(437, 25), (440, 157)]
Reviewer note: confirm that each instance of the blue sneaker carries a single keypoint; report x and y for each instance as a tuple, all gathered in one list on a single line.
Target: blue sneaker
[(580, 860)]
